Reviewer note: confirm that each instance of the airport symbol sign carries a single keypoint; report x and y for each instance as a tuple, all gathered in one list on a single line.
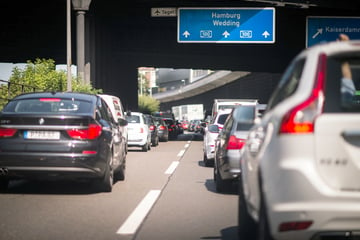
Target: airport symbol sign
[(327, 29), (226, 25)]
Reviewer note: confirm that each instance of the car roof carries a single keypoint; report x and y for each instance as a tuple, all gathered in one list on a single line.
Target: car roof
[(333, 48)]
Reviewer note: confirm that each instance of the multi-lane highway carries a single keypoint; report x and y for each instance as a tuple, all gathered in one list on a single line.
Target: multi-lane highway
[(168, 194)]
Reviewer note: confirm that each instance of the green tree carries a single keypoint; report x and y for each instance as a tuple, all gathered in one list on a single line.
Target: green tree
[(148, 104), (37, 76)]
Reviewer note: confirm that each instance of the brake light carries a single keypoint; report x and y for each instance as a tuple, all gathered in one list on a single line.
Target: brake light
[(50, 99), (7, 132), (235, 143), (301, 118), (92, 132), (152, 127), (162, 128), (293, 226)]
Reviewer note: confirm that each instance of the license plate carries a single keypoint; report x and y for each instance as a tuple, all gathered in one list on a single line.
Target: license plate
[(52, 135)]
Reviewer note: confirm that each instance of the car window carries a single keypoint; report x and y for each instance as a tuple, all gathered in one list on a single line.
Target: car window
[(133, 119), (48, 105), (288, 84), (222, 118)]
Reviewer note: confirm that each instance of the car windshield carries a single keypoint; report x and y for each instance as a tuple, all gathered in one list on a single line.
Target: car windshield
[(48, 105)]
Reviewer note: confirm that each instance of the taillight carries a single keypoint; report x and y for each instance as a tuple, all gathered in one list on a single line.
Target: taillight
[(92, 132), (235, 143), (152, 127), (141, 130), (293, 226), (162, 128), (301, 118), (7, 132)]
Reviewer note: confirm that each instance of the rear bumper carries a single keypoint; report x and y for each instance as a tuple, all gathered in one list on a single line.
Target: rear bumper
[(294, 192), (47, 166)]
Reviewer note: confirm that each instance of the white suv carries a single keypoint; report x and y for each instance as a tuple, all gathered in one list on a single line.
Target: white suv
[(301, 164)]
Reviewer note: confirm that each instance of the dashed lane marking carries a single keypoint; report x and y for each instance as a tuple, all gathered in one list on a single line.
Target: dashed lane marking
[(172, 167), (140, 212)]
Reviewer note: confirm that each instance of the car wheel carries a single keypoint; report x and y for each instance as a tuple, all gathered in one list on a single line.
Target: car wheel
[(149, 146), (221, 184), (120, 175), (145, 147), (105, 184), (246, 225), (206, 161), (263, 229)]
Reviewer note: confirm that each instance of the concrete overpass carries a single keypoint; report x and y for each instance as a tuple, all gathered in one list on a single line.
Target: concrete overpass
[(122, 36)]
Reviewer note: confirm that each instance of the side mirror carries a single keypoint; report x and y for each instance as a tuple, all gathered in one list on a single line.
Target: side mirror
[(213, 128), (122, 122)]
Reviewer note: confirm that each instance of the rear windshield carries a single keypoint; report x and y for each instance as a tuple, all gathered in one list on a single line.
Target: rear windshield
[(343, 84), (48, 105), (133, 119)]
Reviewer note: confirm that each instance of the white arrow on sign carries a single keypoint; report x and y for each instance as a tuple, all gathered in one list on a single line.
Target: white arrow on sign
[(186, 34), (319, 31), (266, 34), (226, 34)]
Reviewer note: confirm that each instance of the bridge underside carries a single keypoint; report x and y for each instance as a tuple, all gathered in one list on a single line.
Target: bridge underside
[(122, 36)]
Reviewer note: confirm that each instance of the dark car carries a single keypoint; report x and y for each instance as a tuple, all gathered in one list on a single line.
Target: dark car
[(172, 127), (163, 131), (55, 136), (153, 129)]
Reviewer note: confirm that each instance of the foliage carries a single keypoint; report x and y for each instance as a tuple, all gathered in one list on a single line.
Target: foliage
[(40, 75), (148, 104)]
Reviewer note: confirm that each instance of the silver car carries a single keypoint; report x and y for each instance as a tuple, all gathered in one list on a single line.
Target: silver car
[(301, 163), (228, 145)]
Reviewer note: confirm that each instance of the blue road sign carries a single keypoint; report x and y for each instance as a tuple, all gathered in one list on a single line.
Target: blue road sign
[(226, 25), (326, 29)]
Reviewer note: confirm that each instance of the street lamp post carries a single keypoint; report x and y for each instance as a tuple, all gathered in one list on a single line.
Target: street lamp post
[(80, 6), (68, 45)]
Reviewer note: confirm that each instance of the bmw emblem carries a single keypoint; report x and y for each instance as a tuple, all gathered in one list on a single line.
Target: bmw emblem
[(41, 121)]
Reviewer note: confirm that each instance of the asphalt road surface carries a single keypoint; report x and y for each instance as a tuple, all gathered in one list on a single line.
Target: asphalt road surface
[(167, 194)]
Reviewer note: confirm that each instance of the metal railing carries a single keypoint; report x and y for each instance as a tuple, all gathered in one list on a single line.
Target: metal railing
[(23, 87)]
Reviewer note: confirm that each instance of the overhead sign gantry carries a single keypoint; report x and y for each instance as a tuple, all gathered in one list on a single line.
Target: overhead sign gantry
[(226, 25)]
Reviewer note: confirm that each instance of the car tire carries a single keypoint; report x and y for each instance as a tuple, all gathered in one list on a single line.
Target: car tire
[(120, 175), (246, 225), (145, 147), (263, 228), (106, 182), (206, 161), (221, 184)]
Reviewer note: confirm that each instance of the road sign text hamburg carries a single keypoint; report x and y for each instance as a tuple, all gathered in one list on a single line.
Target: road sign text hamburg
[(226, 25)]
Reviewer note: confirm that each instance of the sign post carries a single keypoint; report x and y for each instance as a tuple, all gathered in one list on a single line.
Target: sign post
[(226, 25)]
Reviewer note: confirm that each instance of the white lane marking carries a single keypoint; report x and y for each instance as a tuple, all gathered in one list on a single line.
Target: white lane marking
[(187, 145), (172, 167), (189, 141), (181, 153), (137, 216)]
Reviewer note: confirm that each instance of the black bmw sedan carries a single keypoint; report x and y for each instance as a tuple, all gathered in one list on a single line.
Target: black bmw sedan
[(60, 135)]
